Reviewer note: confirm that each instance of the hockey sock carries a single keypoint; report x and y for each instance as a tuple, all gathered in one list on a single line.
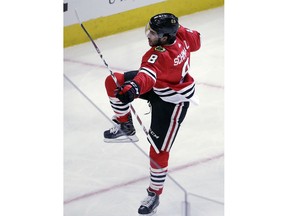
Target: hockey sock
[(121, 110), (158, 171), (110, 84)]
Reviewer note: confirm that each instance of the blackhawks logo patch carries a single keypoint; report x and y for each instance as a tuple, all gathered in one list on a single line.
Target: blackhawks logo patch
[(160, 49)]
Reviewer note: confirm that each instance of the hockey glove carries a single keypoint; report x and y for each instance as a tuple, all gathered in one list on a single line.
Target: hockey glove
[(128, 91)]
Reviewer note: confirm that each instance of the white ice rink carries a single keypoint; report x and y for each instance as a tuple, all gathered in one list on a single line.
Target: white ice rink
[(102, 179)]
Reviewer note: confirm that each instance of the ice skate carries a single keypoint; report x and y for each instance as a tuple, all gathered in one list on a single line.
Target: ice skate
[(121, 132), (149, 204)]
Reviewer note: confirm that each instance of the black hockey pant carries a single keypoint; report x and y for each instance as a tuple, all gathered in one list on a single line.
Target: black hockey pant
[(166, 118)]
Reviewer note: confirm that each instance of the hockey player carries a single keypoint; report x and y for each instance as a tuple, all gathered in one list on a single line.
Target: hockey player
[(164, 81)]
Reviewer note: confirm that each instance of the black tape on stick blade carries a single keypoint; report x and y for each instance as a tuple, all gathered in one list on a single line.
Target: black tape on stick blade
[(65, 7)]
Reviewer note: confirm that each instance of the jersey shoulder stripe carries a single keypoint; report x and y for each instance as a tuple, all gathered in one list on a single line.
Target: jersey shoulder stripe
[(149, 72)]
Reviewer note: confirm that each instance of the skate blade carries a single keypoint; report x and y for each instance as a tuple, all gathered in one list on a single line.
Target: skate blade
[(123, 139), (150, 214)]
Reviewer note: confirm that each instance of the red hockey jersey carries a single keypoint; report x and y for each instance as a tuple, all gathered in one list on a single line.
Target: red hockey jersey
[(165, 68)]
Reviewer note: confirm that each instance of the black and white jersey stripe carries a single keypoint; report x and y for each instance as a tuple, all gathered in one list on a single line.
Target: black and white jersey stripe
[(149, 72), (173, 96)]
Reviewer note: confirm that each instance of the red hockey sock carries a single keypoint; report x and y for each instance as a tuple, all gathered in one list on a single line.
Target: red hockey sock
[(122, 112), (158, 170), (110, 84), (123, 118)]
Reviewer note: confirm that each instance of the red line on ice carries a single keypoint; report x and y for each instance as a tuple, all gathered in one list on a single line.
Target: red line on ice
[(93, 193)]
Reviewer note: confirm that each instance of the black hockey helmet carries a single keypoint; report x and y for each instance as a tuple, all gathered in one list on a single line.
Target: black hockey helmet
[(165, 24)]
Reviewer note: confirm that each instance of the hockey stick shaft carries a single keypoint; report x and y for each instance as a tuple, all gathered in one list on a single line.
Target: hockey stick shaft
[(111, 72), (97, 49)]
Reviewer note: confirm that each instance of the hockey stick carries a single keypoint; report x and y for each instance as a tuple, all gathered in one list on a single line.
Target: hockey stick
[(111, 72)]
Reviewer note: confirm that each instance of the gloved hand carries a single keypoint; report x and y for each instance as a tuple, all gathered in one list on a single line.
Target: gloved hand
[(128, 91)]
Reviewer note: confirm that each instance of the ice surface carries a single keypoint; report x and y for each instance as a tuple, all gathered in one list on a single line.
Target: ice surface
[(106, 179)]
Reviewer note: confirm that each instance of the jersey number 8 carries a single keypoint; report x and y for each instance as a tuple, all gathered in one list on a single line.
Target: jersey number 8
[(152, 58)]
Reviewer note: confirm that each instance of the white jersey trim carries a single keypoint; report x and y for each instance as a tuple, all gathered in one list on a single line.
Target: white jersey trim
[(170, 95), (149, 72)]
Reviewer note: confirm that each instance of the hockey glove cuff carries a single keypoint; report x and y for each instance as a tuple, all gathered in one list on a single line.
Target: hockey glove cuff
[(128, 91)]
